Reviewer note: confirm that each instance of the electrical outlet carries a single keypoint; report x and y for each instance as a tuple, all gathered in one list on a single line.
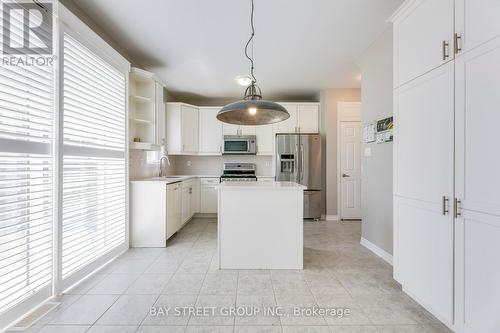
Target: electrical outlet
[(188, 163)]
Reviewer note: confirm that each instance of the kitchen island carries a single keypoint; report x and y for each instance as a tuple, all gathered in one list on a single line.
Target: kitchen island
[(260, 225)]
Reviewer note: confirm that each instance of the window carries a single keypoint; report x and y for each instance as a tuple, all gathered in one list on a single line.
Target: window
[(94, 159), (63, 161), (26, 180)]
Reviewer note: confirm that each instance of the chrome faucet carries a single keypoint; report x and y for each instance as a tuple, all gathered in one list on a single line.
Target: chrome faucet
[(162, 158)]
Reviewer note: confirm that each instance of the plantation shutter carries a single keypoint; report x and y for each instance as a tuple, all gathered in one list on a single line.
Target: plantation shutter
[(94, 159), (26, 180)]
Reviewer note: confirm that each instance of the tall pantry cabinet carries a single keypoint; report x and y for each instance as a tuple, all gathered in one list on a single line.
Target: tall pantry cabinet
[(446, 180)]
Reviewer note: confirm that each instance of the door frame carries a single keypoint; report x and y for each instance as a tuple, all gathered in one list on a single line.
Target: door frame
[(344, 113)]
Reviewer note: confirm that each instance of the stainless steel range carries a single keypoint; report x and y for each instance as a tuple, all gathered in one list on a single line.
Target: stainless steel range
[(238, 172)]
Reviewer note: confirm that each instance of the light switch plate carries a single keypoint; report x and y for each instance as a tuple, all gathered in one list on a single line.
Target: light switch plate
[(368, 152)]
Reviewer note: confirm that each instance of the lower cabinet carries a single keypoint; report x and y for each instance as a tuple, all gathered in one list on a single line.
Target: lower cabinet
[(190, 199), (158, 210), (208, 195), (155, 212), (174, 198)]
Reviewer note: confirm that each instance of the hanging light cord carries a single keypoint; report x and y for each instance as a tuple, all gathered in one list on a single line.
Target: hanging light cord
[(248, 43)]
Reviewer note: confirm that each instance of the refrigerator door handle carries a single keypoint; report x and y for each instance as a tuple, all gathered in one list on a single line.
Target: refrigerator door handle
[(301, 163), (297, 178)]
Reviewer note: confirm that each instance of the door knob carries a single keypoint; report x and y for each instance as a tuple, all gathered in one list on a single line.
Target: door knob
[(345, 176)]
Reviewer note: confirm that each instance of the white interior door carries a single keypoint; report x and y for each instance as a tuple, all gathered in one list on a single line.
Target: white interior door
[(350, 170)]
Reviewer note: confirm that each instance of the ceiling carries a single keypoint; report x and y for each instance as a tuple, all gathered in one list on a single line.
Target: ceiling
[(196, 47)]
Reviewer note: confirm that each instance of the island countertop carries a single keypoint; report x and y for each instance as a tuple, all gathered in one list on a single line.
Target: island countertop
[(262, 185)]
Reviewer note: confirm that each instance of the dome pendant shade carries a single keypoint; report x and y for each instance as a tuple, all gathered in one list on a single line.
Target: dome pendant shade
[(252, 112)]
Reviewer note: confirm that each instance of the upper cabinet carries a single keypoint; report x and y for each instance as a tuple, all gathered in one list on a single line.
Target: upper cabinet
[(289, 125), (182, 128), (308, 118), (419, 48), (161, 122), (210, 131), (197, 131), (146, 113), (304, 118), (476, 22)]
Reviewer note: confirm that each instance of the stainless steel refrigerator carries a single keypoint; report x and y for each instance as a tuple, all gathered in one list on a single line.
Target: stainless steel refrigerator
[(298, 159)]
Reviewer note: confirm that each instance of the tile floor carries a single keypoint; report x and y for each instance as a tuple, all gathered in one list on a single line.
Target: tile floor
[(339, 274)]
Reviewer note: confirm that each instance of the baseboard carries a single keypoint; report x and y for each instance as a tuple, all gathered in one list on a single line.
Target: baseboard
[(330, 217), (431, 310), (377, 250)]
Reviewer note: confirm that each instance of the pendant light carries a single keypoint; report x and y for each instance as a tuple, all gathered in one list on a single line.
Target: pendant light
[(252, 110)]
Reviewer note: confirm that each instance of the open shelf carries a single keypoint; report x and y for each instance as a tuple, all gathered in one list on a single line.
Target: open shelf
[(143, 146), (140, 99), (141, 121)]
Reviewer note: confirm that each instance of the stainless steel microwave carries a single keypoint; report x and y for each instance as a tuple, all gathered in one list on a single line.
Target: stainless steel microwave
[(240, 145)]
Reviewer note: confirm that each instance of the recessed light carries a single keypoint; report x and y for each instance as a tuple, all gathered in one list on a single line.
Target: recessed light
[(243, 80)]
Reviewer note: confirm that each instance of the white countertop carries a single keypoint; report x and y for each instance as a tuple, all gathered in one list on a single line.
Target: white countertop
[(262, 185), (179, 178), (171, 179)]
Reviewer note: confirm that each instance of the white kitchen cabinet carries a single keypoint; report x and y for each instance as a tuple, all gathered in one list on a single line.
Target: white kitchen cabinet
[(423, 153), (182, 128), (160, 122), (304, 117), (174, 213), (230, 129), (423, 38), (477, 183), (424, 113), (211, 132), (248, 130), (145, 104), (190, 199), (308, 118), (208, 195), (476, 22), (265, 139), (190, 131), (445, 139), (186, 203), (289, 125), (155, 212), (195, 196)]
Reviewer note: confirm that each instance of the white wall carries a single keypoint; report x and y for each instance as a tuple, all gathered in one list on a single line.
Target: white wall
[(376, 182)]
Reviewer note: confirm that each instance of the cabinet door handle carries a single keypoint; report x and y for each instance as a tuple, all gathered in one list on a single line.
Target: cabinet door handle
[(445, 50), (446, 206), (458, 41), (458, 208)]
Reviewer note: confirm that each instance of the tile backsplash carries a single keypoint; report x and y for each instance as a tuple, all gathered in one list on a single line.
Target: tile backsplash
[(212, 165), (144, 164)]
